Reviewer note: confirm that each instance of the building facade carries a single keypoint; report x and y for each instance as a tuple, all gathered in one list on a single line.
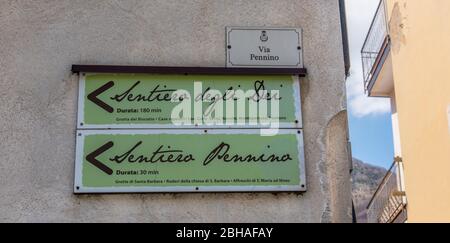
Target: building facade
[(40, 40), (405, 59)]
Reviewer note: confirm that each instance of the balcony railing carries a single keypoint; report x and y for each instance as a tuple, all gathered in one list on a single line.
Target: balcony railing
[(388, 204), (375, 46)]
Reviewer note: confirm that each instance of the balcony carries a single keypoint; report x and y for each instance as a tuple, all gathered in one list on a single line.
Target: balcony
[(388, 204), (376, 56)]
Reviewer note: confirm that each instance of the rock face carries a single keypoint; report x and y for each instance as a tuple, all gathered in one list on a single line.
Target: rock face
[(366, 179)]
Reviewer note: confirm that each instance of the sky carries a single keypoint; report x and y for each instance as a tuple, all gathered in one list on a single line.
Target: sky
[(369, 118)]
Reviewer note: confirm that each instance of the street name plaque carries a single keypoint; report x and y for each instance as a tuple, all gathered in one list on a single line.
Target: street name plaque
[(264, 47)]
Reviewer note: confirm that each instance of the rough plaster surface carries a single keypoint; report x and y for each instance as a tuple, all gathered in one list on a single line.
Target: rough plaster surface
[(40, 40)]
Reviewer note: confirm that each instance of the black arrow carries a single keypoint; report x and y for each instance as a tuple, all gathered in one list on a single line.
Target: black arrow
[(93, 97), (92, 158)]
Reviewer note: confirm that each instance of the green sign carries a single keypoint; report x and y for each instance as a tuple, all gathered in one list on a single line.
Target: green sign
[(189, 160), (149, 100)]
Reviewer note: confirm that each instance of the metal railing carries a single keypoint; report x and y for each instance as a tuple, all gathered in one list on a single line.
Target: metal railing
[(375, 44), (388, 204)]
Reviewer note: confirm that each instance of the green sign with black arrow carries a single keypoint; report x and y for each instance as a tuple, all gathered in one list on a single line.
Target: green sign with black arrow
[(191, 160), (151, 100)]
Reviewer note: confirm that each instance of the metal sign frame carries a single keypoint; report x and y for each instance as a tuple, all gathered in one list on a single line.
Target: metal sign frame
[(79, 189), (298, 124)]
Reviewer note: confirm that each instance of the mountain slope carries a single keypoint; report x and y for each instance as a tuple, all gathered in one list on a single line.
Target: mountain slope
[(366, 179)]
